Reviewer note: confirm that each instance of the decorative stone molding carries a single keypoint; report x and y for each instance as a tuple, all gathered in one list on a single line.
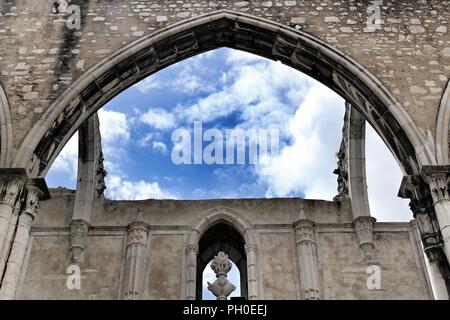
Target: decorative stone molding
[(135, 259), (191, 252), (342, 160), (364, 229), (251, 251), (222, 287), (307, 256), (100, 185), (100, 172), (78, 233)]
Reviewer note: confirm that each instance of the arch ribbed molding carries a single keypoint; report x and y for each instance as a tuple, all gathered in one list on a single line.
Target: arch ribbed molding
[(226, 215), (240, 31), (6, 131), (442, 128)]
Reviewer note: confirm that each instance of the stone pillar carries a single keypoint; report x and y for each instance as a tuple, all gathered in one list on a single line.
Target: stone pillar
[(191, 252), (437, 282), (251, 251), (421, 204), (89, 179), (438, 178), (36, 190), (11, 185), (135, 259), (307, 257)]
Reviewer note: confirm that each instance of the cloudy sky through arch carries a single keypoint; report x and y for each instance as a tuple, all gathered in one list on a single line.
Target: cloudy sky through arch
[(228, 89)]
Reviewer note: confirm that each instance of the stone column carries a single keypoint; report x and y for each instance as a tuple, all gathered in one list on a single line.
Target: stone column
[(135, 259), (11, 185), (36, 190), (251, 251), (191, 252), (89, 179), (438, 178), (421, 205), (307, 257)]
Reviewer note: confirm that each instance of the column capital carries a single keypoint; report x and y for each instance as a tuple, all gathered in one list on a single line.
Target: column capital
[(36, 190), (192, 248), (418, 191), (438, 178), (251, 247), (12, 181)]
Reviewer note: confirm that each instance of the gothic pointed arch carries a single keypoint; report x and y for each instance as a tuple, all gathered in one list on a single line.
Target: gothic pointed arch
[(224, 28), (222, 228)]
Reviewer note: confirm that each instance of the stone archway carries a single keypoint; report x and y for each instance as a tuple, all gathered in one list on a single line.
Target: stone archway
[(215, 216), (222, 236), (224, 29)]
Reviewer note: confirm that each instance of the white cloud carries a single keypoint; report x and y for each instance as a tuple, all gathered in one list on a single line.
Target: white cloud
[(307, 164), (159, 119), (148, 84), (67, 160), (383, 179), (120, 188), (254, 90), (114, 126)]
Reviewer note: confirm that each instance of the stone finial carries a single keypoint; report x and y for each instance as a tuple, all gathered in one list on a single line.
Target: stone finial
[(222, 287), (302, 215), (140, 216)]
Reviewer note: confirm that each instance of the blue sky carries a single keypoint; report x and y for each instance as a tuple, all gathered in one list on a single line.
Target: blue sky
[(226, 89)]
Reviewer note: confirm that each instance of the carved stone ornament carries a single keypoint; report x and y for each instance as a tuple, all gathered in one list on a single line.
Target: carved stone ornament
[(364, 230), (342, 160), (78, 234), (222, 287)]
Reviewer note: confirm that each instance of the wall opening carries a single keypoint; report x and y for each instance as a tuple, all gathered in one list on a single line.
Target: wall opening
[(222, 237)]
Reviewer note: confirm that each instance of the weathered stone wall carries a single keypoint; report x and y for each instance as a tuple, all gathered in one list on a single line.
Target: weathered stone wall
[(342, 267), (40, 56)]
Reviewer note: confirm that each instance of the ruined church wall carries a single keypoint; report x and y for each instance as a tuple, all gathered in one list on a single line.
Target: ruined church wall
[(342, 267)]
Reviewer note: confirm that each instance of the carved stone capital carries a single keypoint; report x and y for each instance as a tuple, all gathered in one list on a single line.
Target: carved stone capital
[(364, 230), (192, 248), (251, 248), (438, 178), (304, 229), (138, 231), (421, 204), (11, 183)]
